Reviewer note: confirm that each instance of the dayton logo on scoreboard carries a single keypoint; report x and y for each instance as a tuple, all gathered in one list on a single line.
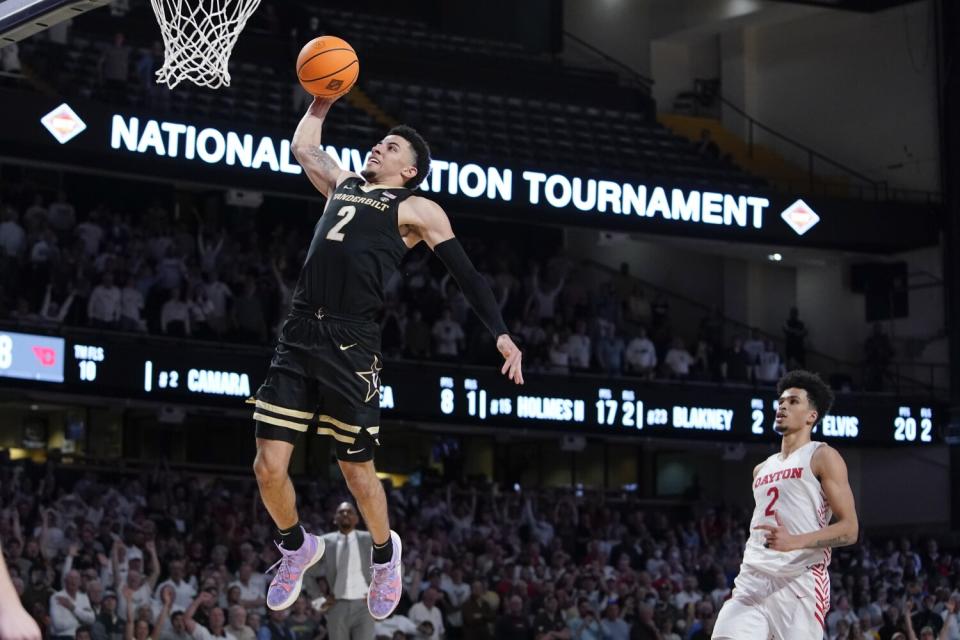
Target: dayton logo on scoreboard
[(46, 355)]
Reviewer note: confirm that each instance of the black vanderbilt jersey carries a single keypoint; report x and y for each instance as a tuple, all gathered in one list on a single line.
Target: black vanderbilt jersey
[(356, 247)]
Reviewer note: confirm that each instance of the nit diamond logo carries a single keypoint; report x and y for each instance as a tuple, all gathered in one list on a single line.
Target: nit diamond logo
[(63, 123), (800, 217)]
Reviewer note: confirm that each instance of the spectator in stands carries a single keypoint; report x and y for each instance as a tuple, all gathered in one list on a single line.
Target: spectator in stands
[(175, 315), (448, 336), (478, 614), (12, 235), (157, 96), (711, 328), (427, 616), (253, 587), (795, 333), (394, 329), (754, 346), (736, 365), (104, 305), (171, 269), (606, 305), (36, 214), (512, 623), (641, 355), (706, 147), (703, 360), (584, 624), (878, 352), (184, 588), (108, 625), (666, 629), (543, 298), (177, 629), (200, 309), (275, 627), (559, 353), (610, 349), (639, 307), (237, 628), (578, 346), (131, 307), (302, 620), (248, 314), (678, 360), (219, 295), (61, 215), (456, 592), (43, 254), (690, 594), (90, 234), (114, 68), (769, 367), (417, 338), (69, 608), (613, 625)]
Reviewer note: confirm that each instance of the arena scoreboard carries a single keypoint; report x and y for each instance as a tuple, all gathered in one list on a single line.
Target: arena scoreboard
[(152, 369)]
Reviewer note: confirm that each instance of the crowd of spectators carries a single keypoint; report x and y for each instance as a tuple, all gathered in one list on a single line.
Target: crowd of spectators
[(170, 556), (183, 276)]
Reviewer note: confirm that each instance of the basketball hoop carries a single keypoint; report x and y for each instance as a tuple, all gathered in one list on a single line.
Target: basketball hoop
[(198, 37)]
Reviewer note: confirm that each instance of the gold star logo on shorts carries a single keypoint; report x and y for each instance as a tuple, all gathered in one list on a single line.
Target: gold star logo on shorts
[(372, 378)]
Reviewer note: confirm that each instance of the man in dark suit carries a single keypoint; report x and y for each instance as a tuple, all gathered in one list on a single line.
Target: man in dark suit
[(346, 564)]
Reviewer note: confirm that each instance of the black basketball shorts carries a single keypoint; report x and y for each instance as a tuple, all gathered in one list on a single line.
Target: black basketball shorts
[(324, 378)]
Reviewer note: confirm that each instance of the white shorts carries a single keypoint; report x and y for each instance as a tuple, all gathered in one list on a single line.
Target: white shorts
[(764, 607)]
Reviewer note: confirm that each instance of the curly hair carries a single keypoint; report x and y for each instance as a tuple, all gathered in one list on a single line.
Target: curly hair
[(819, 394), (421, 153)]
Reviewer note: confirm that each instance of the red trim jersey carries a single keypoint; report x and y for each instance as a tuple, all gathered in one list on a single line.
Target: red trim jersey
[(787, 488)]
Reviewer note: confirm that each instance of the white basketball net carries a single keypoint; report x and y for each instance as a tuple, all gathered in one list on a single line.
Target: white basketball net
[(198, 37)]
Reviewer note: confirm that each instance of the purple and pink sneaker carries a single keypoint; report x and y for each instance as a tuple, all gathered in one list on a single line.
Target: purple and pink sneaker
[(386, 584), (285, 586)]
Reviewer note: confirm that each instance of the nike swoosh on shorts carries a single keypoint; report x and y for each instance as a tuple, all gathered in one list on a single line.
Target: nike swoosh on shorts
[(349, 346)]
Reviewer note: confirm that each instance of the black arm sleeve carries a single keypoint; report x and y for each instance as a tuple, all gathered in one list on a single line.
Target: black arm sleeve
[(474, 288)]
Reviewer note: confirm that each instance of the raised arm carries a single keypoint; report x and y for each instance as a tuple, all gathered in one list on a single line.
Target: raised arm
[(322, 170), (155, 564), (131, 614), (202, 598), (15, 622), (432, 225), (167, 597), (115, 564)]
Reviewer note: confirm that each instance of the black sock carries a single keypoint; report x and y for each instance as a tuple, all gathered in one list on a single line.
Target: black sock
[(383, 553), (291, 538)]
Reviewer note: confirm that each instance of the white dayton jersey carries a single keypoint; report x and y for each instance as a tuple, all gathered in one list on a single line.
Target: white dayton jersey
[(786, 488)]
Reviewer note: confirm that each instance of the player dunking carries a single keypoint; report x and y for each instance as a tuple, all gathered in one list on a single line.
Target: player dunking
[(783, 590), (324, 377)]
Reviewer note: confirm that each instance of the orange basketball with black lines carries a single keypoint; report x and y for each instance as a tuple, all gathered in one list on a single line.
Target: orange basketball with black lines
[(328, 67)]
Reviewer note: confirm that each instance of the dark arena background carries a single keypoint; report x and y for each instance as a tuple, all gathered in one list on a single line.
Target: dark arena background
[(674, 201)]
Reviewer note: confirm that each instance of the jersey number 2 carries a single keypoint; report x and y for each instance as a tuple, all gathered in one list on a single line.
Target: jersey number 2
[(347, 214), (772, 491)]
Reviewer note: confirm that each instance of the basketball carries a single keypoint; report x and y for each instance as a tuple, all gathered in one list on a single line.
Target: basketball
[(327, 67)]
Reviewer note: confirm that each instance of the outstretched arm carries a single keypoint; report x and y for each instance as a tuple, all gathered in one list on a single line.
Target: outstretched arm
[(829, 467), (15, 622), (323, 170), (433, 227)]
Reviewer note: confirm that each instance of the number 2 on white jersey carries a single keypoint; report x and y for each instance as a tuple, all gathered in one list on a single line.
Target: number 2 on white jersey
[(347, 214)]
